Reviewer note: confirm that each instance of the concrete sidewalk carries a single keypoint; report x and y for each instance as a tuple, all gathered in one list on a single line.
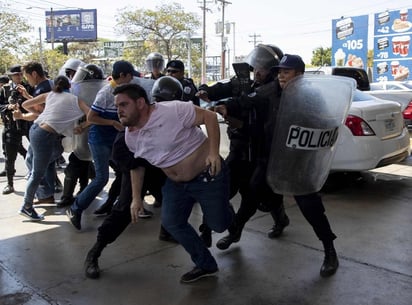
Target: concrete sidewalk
[(42, 263)]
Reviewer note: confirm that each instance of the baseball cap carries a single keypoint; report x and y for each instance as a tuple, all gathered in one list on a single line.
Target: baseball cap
[(16, 69), (123, 66), (176, 64), (290, 61)]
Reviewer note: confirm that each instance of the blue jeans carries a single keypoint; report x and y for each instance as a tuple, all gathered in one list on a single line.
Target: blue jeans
[(46, 186), (178, 201), (101, 156), (43, 153)]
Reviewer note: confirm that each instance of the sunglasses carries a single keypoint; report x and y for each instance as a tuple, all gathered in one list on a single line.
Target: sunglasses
[(172, 71)]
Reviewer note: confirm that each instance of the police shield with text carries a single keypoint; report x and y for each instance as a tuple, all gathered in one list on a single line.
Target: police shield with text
[(312, 110)]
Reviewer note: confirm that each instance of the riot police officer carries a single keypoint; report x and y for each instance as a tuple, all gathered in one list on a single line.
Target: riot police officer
[(246, 101), (155, 64), (176, 69), (11, 99)]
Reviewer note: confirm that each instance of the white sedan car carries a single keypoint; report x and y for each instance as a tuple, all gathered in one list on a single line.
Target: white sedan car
[(374, 135)]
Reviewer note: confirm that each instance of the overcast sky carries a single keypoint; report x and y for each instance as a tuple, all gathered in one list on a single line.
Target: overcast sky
[(296, 26)]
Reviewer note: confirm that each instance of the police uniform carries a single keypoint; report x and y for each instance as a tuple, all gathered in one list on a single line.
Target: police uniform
[(14, 130), (246, 141)]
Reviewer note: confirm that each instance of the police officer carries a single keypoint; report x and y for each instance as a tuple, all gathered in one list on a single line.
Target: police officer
[(155, 64), (11, 98), (311, 205), (249, 101), (70, 67), (176, 68)]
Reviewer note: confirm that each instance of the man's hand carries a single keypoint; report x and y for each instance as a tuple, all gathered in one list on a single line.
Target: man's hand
[(202, 94), (214, 163), (17, 114), (135, 208)]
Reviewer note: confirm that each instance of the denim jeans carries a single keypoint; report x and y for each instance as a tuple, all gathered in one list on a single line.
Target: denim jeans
[(178, 201), (101, 156), (41, 156)]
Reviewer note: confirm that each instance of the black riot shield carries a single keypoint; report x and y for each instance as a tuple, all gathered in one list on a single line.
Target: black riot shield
[(312, 110)]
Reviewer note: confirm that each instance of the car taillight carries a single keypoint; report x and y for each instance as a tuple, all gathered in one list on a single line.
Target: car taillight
[(407, 113), (358, 126)]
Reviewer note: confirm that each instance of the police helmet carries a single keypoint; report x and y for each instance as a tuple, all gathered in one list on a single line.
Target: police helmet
[(72, 64), (155, 61), (167, 88), (264, 56), (89, 71)]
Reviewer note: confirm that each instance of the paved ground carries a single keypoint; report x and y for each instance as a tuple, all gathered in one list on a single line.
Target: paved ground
[(42, 263)]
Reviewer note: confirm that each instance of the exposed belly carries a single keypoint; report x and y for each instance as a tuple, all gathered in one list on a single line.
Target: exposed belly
[(191, 166)]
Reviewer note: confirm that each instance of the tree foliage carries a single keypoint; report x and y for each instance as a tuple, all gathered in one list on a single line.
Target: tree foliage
[(165, 30), (321, 57), (12, 40)]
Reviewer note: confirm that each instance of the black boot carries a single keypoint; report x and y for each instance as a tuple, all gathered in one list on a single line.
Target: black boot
[(106, 208), (331, 262), (91, 265), (281, 221), (235, 232), (206, 234)]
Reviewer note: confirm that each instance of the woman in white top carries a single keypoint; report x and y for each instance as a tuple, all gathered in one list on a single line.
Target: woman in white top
[(62, 109)]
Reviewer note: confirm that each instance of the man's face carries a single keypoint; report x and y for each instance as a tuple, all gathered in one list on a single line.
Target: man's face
[(124, 78), (285, 75), (260, 75), (31, 78), (17, 78), (175, 73), (128, 109)]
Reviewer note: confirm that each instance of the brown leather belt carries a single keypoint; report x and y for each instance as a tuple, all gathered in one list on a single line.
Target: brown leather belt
[(47, 128)]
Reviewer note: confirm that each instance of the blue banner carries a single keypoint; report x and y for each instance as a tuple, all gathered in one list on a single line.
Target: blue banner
[(71, 25), (392, 37), (350, 42)]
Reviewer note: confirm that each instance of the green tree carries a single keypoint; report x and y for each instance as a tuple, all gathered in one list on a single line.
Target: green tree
[(12, 40), (321, 57), (164, 30)]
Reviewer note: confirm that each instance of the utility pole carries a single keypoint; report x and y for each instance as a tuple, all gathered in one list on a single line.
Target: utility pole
[(255, 41), (223, 56), (204, 8), (41, 48)]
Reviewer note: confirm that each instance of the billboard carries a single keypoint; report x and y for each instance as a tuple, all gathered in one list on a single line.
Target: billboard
[(349, 41), (392, 37), (71, 25)]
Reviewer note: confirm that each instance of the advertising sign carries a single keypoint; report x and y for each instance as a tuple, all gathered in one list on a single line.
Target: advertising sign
[(113, 49), (392, 37), (71, 25), (349, 41)]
